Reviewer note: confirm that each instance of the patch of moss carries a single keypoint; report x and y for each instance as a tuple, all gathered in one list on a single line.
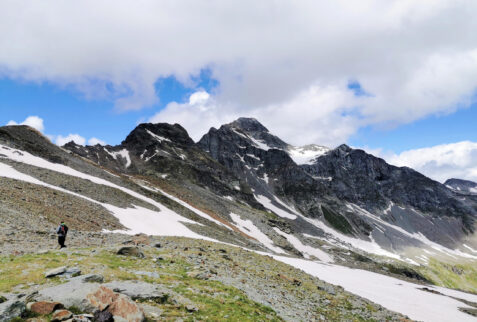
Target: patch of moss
[(461, 276), (337, 221)]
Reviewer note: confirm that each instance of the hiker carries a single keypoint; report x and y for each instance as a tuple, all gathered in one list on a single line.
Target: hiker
[(61, 231)]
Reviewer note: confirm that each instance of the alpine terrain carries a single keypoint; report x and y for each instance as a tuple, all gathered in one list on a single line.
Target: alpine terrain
[(237, 226)]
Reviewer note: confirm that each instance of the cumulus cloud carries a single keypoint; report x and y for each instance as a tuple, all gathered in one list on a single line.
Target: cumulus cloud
[(62, 140), (441, 162), (316, 115), (33, 121), (414, 58), (94, 141)]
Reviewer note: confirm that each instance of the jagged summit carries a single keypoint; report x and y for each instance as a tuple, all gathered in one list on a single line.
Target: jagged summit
[(248, 124), (462, 186), (151, 133)]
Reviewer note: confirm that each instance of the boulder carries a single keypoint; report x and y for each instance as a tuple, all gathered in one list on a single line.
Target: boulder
[(72, 293), (119, 305), (44, 307), (55, 271), (131, 251)]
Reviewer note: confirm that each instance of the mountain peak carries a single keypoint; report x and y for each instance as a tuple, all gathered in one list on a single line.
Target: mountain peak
[(158, 132), (248, 124)]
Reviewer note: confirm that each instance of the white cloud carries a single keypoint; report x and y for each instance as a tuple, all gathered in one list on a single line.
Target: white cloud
[(33, 121), (94, 141), (286, 63), (441, 162), (62, 140)]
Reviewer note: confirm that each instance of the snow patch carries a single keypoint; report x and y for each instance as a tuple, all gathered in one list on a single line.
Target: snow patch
[(306, 154), (124, 154), (267, 203), (186, 205), (158, 137), (247, 227), (305, 249)]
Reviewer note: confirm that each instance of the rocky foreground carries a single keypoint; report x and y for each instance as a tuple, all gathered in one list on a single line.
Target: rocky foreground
[(141, 278)]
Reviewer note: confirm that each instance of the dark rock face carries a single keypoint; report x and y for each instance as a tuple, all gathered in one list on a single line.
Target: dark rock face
[(462, 186), (154, 150), (371, 183), (336, 181)]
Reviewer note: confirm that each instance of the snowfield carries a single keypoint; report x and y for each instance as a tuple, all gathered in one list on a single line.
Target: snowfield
[(392, 293)]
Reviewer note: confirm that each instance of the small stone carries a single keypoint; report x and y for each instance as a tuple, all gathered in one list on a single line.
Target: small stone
[(103, 316), (157, 245), (130, 251), (82, 318), (3, 299), (72, 272), (61, 315), (94, 278), (44, 307), (56, 271), (191, 308)]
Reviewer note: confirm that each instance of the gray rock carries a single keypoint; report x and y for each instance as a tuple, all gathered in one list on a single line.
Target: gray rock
[(191, 308), (103, 316), (93, 278), (72, 272), (72, 293), (55, 272), (131, 251), (140, 290), (151, 311), (11, 309)]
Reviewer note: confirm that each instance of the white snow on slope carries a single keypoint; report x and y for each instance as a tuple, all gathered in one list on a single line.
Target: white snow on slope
[(250, 229), (417, 236), (137, 219), (186, 205), (306, 154), (267, 203), (124, 154), (393, 294), (259, 144), (305, 249), (349, 242), (158, 137)]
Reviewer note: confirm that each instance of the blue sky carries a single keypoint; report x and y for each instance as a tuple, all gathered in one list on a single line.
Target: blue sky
[(65, 111)]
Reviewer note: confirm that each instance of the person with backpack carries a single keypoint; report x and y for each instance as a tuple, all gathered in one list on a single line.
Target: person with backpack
[(61, 231)]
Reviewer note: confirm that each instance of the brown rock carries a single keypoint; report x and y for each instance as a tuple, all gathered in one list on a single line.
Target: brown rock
[(44, 307), (126, 308), (118, 305), (102, 298), (61, 315)]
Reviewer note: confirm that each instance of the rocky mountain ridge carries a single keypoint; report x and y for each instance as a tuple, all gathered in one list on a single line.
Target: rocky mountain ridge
[(240, 185)]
